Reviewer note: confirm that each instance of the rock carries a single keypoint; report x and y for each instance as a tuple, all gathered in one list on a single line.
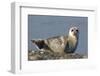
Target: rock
[(47, 55)]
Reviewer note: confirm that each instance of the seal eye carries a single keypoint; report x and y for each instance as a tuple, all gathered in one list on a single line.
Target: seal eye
[(72, 30), (77, 30)]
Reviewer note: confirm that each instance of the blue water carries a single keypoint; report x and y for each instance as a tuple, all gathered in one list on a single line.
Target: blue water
[(40, 26)]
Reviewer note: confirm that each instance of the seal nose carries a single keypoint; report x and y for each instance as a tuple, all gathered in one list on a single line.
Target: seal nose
[(76, 32)]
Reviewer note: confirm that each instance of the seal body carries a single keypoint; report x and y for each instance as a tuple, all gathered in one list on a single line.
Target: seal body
[(60, 44)]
